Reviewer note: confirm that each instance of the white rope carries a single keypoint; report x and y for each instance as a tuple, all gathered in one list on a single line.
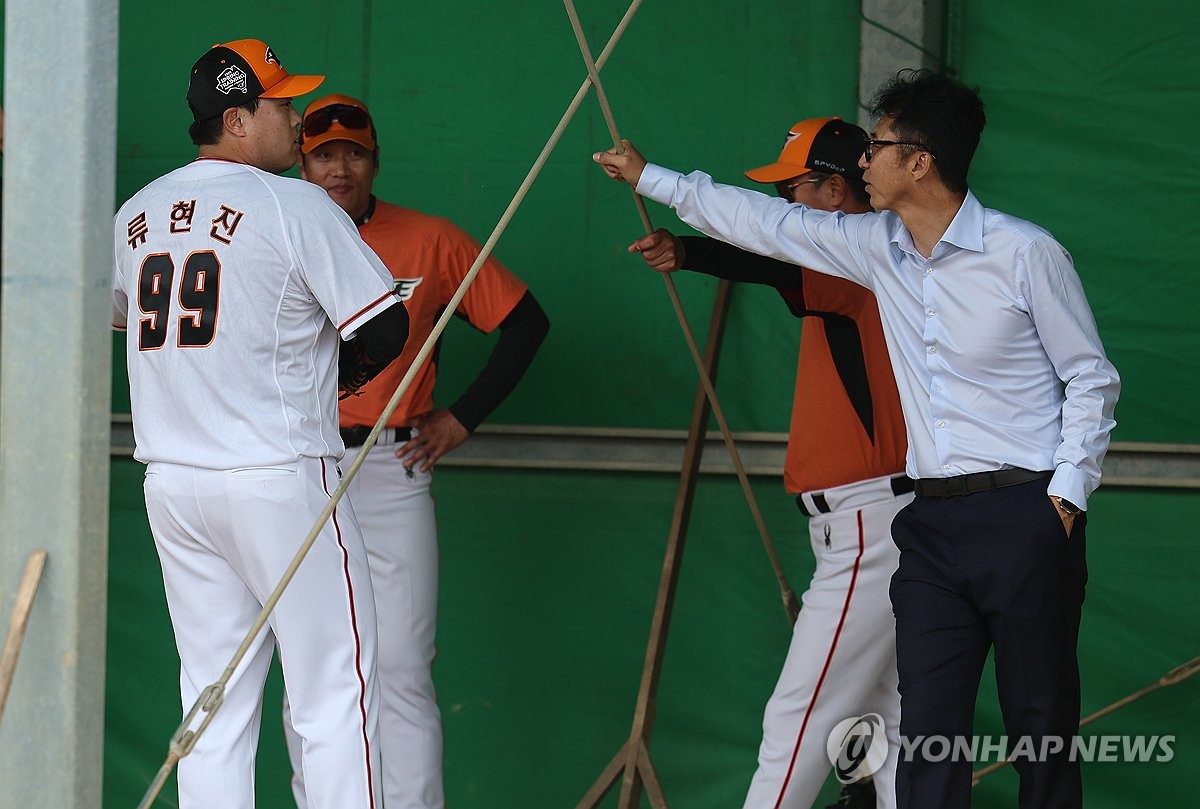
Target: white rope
[(1172, 677), (790, 604), (210, 700)]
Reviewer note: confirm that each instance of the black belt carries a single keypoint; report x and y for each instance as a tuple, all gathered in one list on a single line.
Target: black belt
[(975, 482), (357, 436), (901, 484)]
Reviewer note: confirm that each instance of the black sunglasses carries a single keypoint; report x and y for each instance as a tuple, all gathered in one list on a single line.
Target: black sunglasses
[(351, 117)]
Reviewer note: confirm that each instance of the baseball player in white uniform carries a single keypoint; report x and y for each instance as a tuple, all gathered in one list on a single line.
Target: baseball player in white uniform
[(845, 466), (234, 286), (429, 256)]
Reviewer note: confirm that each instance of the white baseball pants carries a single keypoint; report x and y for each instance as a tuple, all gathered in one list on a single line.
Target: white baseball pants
[(224, 539), (842, 659), (396, 513)]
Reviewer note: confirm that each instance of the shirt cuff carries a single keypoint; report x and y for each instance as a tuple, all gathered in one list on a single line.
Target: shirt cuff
[(1068, 483), (657, 183)]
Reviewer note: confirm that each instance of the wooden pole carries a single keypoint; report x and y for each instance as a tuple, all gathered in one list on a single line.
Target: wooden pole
[(632, 763), (20, 619), (791, 604), (1172, 677)]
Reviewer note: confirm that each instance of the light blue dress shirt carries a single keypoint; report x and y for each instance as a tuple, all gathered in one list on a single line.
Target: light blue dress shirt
[(995, 350)]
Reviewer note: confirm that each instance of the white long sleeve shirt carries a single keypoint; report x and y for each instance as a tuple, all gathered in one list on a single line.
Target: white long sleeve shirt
[(994, 347)]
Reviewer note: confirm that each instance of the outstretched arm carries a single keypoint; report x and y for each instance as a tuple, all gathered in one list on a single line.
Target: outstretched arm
[(769, 226), (666, 252)]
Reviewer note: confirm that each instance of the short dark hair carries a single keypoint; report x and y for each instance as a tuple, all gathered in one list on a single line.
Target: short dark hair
[(208, 131), (933, 109)]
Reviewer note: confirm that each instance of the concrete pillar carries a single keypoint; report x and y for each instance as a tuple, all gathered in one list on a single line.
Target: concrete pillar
[(55, 370), (898, 34)]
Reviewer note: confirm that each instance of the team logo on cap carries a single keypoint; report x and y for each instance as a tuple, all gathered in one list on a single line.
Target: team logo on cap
[(232, 78), (271, 57)]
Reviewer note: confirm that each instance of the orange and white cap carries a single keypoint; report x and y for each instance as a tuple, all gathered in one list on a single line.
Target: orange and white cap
[(231, 74), (828, 145)]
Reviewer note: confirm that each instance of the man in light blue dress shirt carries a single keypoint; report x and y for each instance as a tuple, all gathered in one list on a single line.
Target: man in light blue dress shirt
[(1008, 401)]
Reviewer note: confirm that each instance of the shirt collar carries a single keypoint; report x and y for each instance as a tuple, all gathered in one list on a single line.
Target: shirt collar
[(965, 231), (368, 213)]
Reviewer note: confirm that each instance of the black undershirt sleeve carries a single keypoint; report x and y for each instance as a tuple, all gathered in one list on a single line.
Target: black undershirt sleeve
[(717, 258), (521, 334), (376, 343)]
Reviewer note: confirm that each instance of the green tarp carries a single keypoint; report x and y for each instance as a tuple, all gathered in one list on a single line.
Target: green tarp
[(548, 579)]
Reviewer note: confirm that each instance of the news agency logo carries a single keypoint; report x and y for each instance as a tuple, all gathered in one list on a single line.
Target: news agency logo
[(977, 749), (857, 747)]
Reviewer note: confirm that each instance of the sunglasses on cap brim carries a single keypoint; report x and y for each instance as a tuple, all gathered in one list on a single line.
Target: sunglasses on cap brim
[(351, 117)]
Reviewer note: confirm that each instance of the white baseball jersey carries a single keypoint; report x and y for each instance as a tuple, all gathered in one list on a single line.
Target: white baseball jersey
[(205, 253)]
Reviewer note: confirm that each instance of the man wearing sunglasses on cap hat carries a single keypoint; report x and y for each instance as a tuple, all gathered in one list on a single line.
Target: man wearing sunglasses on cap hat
[(429, 257), (250, 301), (845, 467)]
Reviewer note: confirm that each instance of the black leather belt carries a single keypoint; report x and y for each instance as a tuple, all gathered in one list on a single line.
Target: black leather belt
[(901, 484), (975, 482), (357, 436)]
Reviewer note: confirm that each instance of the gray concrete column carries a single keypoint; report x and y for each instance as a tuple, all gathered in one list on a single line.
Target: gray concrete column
[(55, 370), (897, 34)]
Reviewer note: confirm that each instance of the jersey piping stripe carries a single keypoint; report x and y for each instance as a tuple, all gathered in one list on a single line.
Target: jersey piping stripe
[(828, 660), (367, 308), (362, 682)]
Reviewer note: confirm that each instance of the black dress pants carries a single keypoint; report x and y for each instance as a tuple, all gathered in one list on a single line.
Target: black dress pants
[(994, 568)]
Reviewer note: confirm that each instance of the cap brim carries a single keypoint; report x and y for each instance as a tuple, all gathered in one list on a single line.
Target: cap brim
[(294, 86), (776, 172), (338, 132)]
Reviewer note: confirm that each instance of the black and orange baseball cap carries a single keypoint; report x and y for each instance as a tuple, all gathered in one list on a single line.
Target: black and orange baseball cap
[(337, 117), (819, 144), (236, 72)]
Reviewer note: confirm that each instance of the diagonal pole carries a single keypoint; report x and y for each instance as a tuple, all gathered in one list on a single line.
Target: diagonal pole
[(787, 595), (1172, 677), (632, 763), (209, 702), (638, 769), (26, 590)]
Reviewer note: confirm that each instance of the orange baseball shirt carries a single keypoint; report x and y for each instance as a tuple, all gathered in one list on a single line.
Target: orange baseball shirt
[(845, 426), (428, 256)]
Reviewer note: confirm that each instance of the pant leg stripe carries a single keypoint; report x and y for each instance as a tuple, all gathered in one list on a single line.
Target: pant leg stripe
[(362, 681), (828, 661)]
